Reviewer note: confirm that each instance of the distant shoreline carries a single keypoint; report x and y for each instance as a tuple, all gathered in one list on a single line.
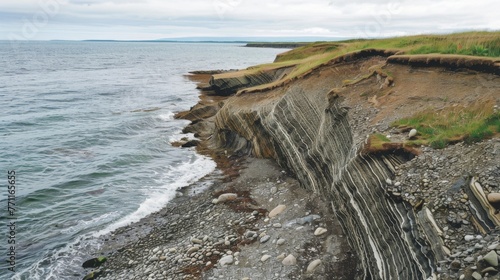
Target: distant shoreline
[(277, 45)]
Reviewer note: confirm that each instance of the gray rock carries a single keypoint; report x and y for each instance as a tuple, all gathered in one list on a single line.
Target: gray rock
[(320, 231), (488, 270), (494, 198), (289, 260), (226, 197), (491, 258), (469, 237), (250, 234), (226, 260), (313, 265), (193, 249), (476, 275), (196, 241), (307, 219), (469, 259), (277, 210), (265, 238), (281, 257), (280, 241), (265, 258)]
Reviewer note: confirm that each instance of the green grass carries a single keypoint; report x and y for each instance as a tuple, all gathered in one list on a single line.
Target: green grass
[(453, 124), (304, 59), (480, 43), (376, 142)]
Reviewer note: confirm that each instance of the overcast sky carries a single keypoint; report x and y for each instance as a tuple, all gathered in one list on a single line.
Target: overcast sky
[(153, 19)]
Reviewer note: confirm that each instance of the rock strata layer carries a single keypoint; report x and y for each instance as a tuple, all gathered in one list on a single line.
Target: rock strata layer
[(316, 128)]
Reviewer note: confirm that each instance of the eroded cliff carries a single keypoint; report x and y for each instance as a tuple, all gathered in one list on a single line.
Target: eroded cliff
[(317, 127)]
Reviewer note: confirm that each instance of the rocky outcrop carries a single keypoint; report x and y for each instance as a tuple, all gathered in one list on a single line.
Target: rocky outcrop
[(309, 133), (316, 127), (229, 83)]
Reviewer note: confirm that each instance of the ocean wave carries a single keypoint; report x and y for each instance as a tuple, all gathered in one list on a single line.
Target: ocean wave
[(166, 116), (177, 177), (84, 224)]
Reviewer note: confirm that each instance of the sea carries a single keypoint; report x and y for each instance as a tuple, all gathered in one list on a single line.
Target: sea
[(85, 131)]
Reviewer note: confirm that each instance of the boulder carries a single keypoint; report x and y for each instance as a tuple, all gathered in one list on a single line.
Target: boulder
[(95, 262)]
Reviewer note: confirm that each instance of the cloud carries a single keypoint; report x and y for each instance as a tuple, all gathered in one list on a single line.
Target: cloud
[(151, 19)]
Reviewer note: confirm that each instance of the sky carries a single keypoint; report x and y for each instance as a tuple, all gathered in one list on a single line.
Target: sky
[(155, 19)]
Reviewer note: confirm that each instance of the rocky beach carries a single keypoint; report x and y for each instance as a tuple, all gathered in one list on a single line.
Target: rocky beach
[(263, 226), (317, 181)]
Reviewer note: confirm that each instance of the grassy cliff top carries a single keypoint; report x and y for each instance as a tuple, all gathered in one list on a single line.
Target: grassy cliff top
[(302, 60), (469, 43)]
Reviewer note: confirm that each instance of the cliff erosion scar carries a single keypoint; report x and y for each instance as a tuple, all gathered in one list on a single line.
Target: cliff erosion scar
[(320, 126)]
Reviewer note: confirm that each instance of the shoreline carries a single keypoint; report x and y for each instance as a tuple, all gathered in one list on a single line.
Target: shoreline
[(426, 193), (193, 238)]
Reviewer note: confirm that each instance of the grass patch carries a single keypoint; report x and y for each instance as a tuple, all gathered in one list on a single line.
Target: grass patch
[(439, 128), (377, 140), (306, 58), (379, 144)]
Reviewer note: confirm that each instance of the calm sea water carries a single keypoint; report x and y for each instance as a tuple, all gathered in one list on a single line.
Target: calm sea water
[(86, 126)]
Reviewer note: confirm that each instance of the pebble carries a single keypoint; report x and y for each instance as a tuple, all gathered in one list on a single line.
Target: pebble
[(281, 257), (476, 275), (196, 241), (494, 197), (226, 260), (469, 259), (412, 133), (265, 238), (491, 258), (250, 234), (469, 237), (313, 265), (226, 197), (193, 249), (280, 241), (455, 265), (277, 225), (493, 246), (289, 260), (277, 210), (308, 219), (489, 269), (319, 231), (265, 258)]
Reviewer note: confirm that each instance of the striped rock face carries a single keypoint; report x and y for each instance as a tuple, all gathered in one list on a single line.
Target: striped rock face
[(316, 129), (308, 132)]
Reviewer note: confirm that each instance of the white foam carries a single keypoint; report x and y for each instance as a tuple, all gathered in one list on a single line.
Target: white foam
[(179, 135), (176, 177), (84, 224), (72, 254), (166, 116), (63, 260)]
